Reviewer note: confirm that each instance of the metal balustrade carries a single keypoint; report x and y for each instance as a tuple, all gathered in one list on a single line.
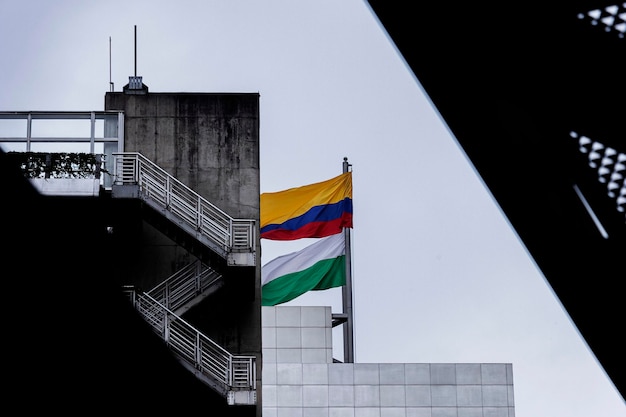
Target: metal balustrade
[(216, 366), (234, 239), (65, 131), (189, 283), (100, 132)]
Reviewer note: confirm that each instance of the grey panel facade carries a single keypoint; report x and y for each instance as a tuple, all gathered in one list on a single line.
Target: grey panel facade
[(294, 387)]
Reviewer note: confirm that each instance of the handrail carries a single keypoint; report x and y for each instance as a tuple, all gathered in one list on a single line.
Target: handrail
[(161, 188), (113, 131), (184, 285), (232, 371)]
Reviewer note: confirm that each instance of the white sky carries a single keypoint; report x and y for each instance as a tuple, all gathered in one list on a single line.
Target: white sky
[(439, 275)]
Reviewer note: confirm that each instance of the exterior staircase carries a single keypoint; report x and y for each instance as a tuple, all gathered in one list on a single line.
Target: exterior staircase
[(231, 240), (232, 376)]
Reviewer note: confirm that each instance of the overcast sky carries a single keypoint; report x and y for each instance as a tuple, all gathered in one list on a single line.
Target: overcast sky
[(439, 274)]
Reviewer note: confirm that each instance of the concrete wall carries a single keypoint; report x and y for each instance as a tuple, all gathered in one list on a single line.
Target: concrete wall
[(208, 141), (301, 380)]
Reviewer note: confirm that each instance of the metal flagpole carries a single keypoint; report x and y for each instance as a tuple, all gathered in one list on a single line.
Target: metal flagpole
[(348, 326)]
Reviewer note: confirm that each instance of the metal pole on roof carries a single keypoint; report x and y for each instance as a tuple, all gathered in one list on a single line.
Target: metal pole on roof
[(348, 326), (135, 50)]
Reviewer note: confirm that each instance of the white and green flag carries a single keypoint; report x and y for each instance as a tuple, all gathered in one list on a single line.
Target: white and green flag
[(319, 266)]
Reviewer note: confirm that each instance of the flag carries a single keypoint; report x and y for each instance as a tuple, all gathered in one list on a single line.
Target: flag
[(311, 211), (319, 266)]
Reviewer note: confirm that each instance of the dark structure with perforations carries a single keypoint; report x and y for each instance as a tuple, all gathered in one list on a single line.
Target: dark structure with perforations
[(535, 93)]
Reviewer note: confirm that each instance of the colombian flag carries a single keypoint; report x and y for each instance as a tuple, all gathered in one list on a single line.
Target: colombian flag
[(311, 211)]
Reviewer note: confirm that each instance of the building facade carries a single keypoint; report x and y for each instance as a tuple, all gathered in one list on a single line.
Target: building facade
[(301, 379)]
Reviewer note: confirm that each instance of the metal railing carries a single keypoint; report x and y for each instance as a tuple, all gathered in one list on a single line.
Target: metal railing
[(170, 194), (113, 128), (64, 131), (207, 357), (184, 285)]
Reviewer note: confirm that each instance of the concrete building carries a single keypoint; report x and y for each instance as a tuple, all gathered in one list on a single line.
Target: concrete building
[(173, 229), (210, 143)]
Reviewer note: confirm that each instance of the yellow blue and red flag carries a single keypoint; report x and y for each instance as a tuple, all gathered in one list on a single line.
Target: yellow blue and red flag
[(311, 211)]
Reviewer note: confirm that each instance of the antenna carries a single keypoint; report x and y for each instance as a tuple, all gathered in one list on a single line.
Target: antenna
[(111, 87), (135, 84), (135, 50)]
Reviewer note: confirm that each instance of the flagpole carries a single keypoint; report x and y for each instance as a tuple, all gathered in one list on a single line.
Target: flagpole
[(348, 326)]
